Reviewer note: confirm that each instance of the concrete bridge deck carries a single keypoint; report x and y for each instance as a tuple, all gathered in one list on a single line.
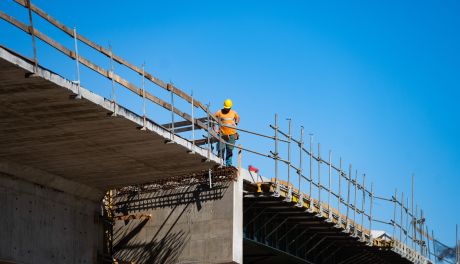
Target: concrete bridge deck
[(44, 129)]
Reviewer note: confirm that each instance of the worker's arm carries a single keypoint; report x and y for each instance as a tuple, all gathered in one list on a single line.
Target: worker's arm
[(237, 118)]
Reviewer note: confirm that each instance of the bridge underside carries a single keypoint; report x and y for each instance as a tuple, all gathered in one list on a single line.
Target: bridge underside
[(277, 230), (43, 128)]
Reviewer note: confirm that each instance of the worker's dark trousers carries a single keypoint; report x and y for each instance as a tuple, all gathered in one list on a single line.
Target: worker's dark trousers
[(226, 149)]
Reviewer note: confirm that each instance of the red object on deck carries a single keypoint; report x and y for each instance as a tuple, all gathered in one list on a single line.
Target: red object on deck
[(253, 169)]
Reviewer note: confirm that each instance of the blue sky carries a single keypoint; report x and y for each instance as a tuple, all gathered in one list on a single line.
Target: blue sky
[(378, 82)]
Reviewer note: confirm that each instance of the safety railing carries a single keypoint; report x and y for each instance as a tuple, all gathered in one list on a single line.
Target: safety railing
[(330, 184)]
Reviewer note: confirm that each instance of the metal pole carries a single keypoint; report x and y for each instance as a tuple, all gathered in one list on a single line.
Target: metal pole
[(193, 123), (355, 184), (77, 62), (112, 73), (329, 186), (348, 195), (172, 111), (428, 243), (363, 204), (221, 143), (144, 127), (32, 33), (276, 148), (407, 220), (457, 250), (209, 130), (339, 199), (311, 174), (412, 210), (414, 227), (370, 212), (401, 222), (420, 228), (394, 213), (289, 153), (299, 172), (319, 180)]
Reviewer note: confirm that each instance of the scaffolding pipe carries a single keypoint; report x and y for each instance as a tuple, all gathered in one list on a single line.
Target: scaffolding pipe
[(276, 148), (77, 62), (289, 152), (348, 194), (32, 34), (319, 178), (329, 185)]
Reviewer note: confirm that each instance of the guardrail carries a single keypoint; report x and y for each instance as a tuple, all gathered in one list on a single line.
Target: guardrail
[(351, 196)]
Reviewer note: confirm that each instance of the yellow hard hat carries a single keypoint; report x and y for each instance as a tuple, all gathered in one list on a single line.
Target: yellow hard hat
[(228, 104)]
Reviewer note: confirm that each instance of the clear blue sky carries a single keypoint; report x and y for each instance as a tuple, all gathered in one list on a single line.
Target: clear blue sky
[(378, 82)]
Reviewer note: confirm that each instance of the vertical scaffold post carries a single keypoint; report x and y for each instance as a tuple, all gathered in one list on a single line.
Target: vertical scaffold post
[(414, 226), (276, 158), (363, 204), (420, 228), (348, 197), (320, 207), (412, 215), (370, 212), (32, 34), (77, 62), (394, 213), (457, 244), (355, 185), (221, 142), (193, 122), (407, 220), (289, 195), (329, 187), (428, 253), (112, 73), (208, 127), (144, 110), (171, 88), (401, 217), (276, 149), (310, 208), (339, 195), (299, 171)]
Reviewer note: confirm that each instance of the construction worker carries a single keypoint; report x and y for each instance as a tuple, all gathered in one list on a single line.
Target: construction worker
[(228, 120)]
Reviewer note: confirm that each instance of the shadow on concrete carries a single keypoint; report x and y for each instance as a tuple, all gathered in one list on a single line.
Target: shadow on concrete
[(136, 201), (132, 242)]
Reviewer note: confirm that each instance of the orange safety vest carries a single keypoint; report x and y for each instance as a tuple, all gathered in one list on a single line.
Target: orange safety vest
[(229, 119)]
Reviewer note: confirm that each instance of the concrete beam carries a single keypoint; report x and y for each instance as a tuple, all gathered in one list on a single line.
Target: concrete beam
[(44, 129)]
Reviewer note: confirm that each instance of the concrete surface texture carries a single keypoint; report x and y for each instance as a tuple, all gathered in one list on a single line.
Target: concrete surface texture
[(43, 225), (190, 225), (43, 128)]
